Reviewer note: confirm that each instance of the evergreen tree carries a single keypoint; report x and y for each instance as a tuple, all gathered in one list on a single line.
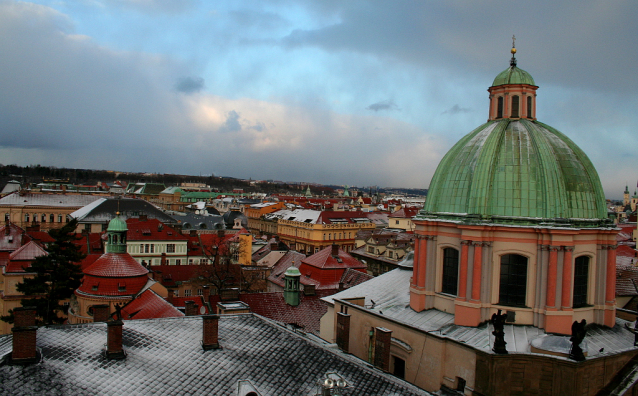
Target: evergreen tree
[(58, 274)]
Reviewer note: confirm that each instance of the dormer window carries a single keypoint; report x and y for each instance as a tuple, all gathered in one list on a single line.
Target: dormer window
[(121, 287)]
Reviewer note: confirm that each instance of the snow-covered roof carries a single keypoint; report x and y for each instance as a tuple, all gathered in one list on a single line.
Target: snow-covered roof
[(165, 356), (58, 200), (388, 295)]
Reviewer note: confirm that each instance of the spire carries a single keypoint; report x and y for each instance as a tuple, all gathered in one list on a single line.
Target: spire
[(513, 51)]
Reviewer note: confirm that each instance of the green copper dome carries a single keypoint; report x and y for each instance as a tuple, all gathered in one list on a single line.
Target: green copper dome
[(117, 225), (513, 75), (516, 172), (292, 271)]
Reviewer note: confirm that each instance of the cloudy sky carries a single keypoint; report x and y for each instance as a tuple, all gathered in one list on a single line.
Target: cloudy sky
[(344, 92)]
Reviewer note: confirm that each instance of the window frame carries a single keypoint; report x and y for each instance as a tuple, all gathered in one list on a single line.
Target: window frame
[(515, 281), (450, 271), (581, 281)]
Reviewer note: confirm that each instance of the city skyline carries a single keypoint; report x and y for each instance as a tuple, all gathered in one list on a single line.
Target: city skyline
[(356, 93)]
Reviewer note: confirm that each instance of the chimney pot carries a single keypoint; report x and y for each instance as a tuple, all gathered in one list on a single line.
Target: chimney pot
[(101, 313), (191, 308), (206, 291), (210, 336), (171, 295), (114, 348), (24, 336), (335, 250)]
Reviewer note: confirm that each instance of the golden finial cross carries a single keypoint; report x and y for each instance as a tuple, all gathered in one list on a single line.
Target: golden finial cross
[(513, 41)]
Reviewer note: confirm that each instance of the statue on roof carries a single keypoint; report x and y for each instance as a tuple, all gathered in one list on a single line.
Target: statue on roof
[(498, 321), (578, 335)]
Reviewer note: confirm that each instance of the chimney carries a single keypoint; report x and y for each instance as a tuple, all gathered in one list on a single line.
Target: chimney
[(7, 227), (335, 250), (101, 313), (24, 336), (221, 233), (309, 290), (274, 246), (191, 308), (210, 336), (193, 233), (171, 295), (206, 292), (143, 217), (163, 259), (114, 348)]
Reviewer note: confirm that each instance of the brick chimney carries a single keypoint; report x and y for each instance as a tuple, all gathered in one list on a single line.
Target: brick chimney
[(114, 348), (101, 313), (7, 227), (193, 233), (191, 308), (163, 259), (143, 217), (24, 336), (171, 295), (210, 336), (206, 293), (335, 250), (221, 233)]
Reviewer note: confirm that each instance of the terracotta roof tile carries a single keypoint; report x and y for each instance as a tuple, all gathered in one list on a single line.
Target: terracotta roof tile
[(120, 265), (149, 305)]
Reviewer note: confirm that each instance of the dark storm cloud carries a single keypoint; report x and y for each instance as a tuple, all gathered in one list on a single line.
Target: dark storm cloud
[(189, 84), (464, 35), (383, 105), (231, 124), (456, 109), (69, 93)]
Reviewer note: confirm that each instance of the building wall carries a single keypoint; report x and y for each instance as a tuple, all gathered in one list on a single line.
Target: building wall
[(478, 297), (310, 238), (18, 215)]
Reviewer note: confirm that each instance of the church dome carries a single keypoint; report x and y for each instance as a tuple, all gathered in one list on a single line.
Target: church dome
[(513, 75), (516, 170), (117, 225)]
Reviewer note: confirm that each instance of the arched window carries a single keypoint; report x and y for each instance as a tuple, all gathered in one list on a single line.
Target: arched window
[(450, 271), (499, 108), (513, 282), (51, 218), (26, 217), (529, 107), (581, 276), (515, 100)]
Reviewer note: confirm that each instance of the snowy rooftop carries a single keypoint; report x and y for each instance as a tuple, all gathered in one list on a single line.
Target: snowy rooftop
[(391, 296), (165, 356), (58, 200)]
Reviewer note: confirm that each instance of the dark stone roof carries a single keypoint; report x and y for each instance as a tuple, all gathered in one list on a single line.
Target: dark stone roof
[(104, 210), (165, 356)]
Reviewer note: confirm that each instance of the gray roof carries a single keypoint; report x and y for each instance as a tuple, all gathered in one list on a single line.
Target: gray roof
[(190, 221), (104, 209), (391, 295), (164, 356), (58, 200)]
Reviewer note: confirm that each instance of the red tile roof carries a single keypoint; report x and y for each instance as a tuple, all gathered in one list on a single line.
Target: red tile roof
[(116, 265), (149, 305), (168, 275), (307, 315), (41, 236), (405, 213), (626, 251), (96, 286), (626, 280), (151, 230), (327, 269)]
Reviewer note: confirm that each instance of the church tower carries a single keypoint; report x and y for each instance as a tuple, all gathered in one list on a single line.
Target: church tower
[(516, 220)]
